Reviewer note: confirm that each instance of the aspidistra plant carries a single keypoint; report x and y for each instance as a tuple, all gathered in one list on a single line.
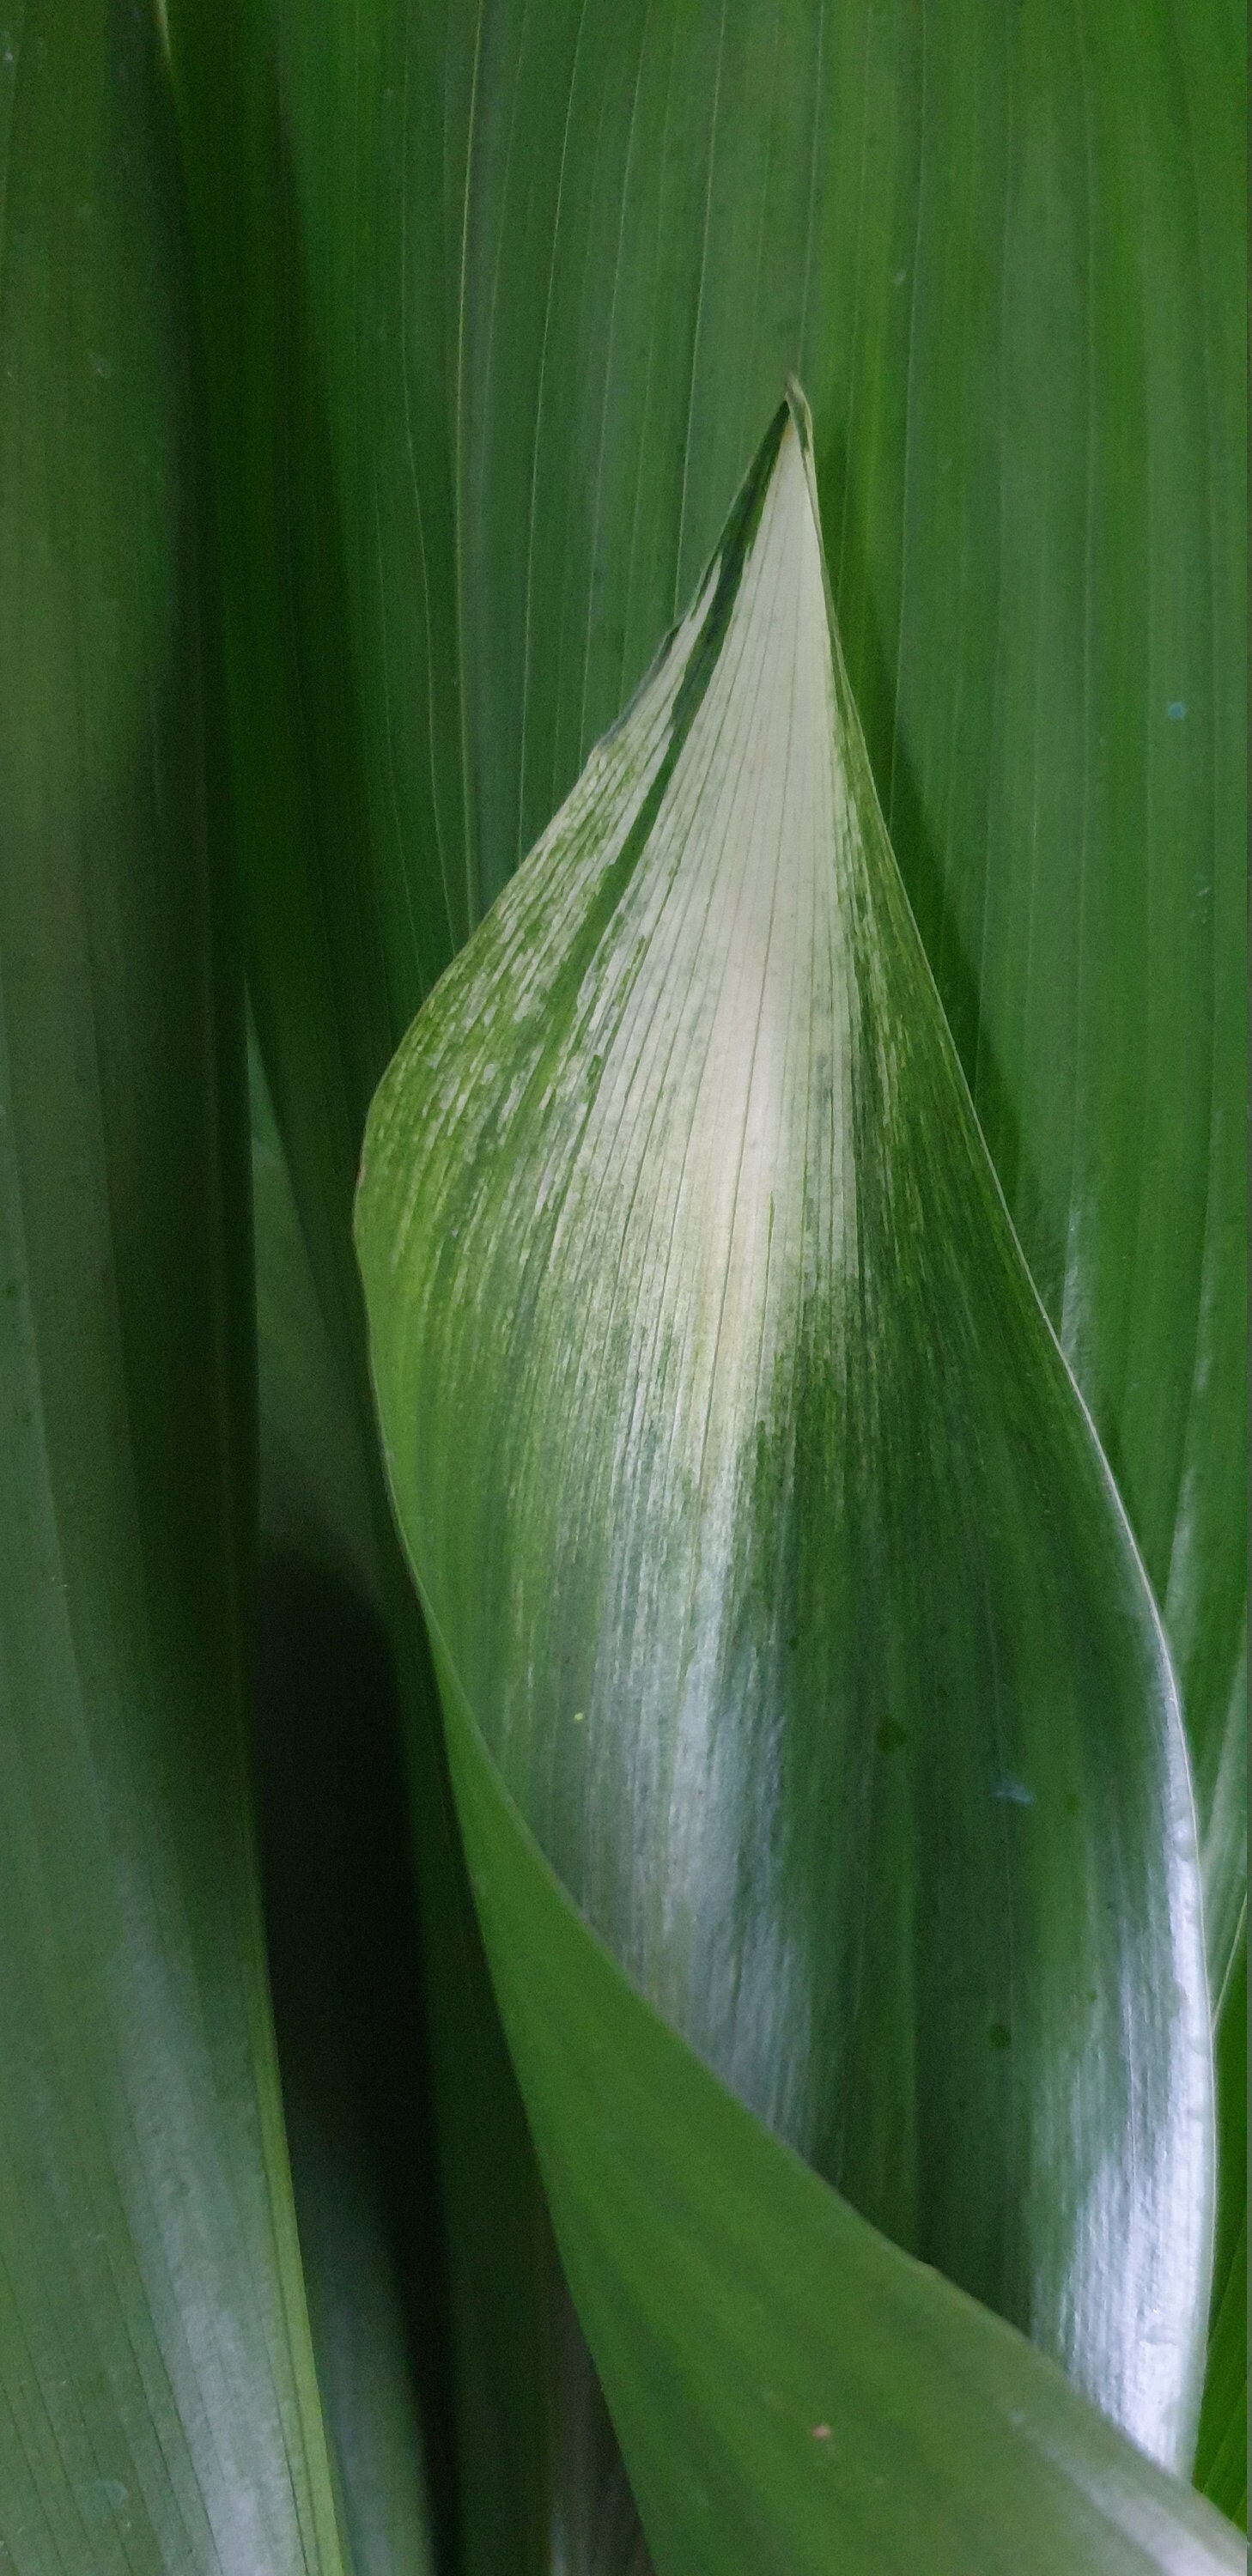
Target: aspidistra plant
[(743, 1479), (777, 873)]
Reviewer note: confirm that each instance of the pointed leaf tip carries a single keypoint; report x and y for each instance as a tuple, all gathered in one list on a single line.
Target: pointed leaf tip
[(718, 1402)]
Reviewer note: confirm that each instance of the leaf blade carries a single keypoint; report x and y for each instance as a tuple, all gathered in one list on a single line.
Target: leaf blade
[(1002, 338), (751, 2436), (161, 2406), (738, 1468), (1221, 2467), (1023, 360)]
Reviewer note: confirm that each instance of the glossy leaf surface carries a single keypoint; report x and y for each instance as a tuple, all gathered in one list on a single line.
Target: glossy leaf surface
[(791, 2391), (523, 295), (743, 1480), (521, 291), (1004, 252), (157, 2403)]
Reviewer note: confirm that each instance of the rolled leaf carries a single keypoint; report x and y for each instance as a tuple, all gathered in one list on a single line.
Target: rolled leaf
[(499, 302), (1006, 253), (790, 2391), (761, 1530)]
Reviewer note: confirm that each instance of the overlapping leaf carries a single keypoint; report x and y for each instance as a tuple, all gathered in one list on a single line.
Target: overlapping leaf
[(523, 294), (743, 1478), (521, 289), (340, 1918), (1004, 253), (342, 1935), (157, 2403), (790, 2391), (266, 188)]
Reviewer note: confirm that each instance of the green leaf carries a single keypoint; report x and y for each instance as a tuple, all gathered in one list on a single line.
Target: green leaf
[(309, 805), (790, 2391), (498, 303), (346, 1982), (159, 2407), (339, 1905), (1221, 2465), (766, 1542), (316, 1487), (1004, 250), (522, 292)]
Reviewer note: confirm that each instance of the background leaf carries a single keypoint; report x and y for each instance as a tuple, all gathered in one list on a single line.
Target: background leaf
[(520, 2379), (549, 279), (316, 1493), (341, 1919), (160, 2410), (348, 2014), (521, 295)]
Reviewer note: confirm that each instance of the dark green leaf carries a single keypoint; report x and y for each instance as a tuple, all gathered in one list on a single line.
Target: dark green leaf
[(498, 303), (266, 183), (316, 1489), (159, 2408), (347, 2010), (1221, 2466), (339, 1911)]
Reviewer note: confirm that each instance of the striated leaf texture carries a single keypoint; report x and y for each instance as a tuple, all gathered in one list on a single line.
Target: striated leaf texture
[(264, 189), (498, 302), (522, 290), (158, 2411), (762, 1533), (1005, 252)]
